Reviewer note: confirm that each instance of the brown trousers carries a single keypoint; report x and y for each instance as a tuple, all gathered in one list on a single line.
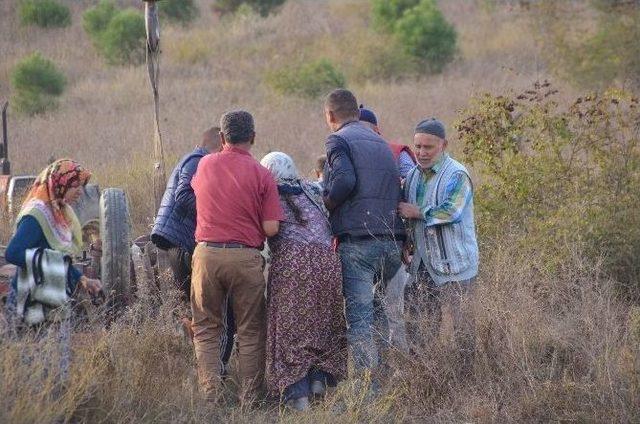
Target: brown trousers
[(216, 273)]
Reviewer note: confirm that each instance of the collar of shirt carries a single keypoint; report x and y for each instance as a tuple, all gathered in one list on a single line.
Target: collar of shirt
[(231, 149)]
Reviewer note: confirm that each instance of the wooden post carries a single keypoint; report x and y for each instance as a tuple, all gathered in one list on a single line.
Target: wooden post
[(152, 25)]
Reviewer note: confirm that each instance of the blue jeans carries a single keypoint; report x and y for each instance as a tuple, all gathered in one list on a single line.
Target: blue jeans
[(363, 263)]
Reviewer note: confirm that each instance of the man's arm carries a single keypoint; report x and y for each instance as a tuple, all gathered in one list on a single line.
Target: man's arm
[(459, 193), (342, 178), (184, 196), (272, 212), (270, 228)]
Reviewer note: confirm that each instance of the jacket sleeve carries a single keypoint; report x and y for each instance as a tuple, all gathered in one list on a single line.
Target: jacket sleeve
[(184, 196), (28, 235), (459, 193), (342, 176)]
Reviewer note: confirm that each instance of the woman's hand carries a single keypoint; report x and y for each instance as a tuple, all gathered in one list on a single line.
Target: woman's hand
[(92, 286)]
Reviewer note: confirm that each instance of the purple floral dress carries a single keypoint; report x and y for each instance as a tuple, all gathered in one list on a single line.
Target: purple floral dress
[(305, 321)]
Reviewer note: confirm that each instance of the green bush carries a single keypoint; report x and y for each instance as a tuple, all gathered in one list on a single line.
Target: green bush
[(567, 181), (117, 34), (96, 19), (44, 13), (36, 83), (180, 11), (386, 13), (263, 7), (308, 80), (123, 40), (425, 34)]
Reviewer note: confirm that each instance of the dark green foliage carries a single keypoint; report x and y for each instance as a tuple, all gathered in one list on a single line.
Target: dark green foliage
[(123, 39), (420, 28), (44, 13), (263, 7), (96, 19), (387, 12), (566, 181), (180, 11), (426, 35), (117, 34), (309, 80), (36, 83)]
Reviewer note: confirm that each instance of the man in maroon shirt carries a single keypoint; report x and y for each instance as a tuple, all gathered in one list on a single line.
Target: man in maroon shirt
[(237, 206)]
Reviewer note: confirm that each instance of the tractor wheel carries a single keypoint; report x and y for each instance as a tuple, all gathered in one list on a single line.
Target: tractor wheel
[(115, 235)]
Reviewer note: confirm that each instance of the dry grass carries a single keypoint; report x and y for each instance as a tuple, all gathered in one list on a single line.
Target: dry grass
[(551, 347)]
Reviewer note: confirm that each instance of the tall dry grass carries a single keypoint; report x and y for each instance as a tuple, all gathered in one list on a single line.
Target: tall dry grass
[(556, 347)]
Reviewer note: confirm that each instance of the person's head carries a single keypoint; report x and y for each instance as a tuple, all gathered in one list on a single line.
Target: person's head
[(59, 183), (368, 118), (340, 107), (237, 128), (319, 169), (211, 140), (430, 142), (281, 166)]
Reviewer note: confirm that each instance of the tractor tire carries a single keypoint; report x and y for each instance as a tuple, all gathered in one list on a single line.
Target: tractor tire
[(115, 235)]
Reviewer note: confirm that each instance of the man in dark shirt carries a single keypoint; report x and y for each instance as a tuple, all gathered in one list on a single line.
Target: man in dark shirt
[(362, 191), (238, 206)]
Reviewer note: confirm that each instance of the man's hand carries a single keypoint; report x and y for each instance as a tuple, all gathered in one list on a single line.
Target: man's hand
[(407, 253), (91, 285), (409, 211)]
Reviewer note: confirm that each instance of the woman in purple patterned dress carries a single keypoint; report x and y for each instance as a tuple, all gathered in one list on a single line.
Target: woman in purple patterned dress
[(306, 345)]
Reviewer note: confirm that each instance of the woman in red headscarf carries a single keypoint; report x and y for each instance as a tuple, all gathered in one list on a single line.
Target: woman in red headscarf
[(47, 221)]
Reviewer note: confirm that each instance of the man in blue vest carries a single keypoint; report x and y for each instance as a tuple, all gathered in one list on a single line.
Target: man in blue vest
[(362, 191), (175, 226), (444, 249)]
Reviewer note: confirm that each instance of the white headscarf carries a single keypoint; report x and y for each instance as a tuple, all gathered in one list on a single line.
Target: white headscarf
[(281, 166)]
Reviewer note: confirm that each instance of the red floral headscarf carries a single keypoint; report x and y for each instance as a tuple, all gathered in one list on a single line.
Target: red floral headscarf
[(54, 182)]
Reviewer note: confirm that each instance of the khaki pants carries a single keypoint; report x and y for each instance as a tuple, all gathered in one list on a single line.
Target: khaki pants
[(216, 273)]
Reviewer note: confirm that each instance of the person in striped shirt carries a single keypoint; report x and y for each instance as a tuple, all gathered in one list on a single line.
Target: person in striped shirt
[(442, 253)]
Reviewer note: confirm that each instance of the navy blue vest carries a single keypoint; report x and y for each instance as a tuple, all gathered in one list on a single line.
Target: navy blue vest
[(174, 227), (371, 208)]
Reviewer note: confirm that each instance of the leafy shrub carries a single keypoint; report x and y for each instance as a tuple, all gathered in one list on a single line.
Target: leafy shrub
[(123, 40), (44, 13), (37, 83), (263, 7), (386, 13), (117, 34), (309, 80), (181, 11), (96, 19), (560, 178), (425, 34)]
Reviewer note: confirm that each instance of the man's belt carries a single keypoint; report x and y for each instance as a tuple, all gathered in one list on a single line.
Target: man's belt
[(226, 245)]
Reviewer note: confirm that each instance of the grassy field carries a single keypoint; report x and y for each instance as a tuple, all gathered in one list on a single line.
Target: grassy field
[(555, 343)]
